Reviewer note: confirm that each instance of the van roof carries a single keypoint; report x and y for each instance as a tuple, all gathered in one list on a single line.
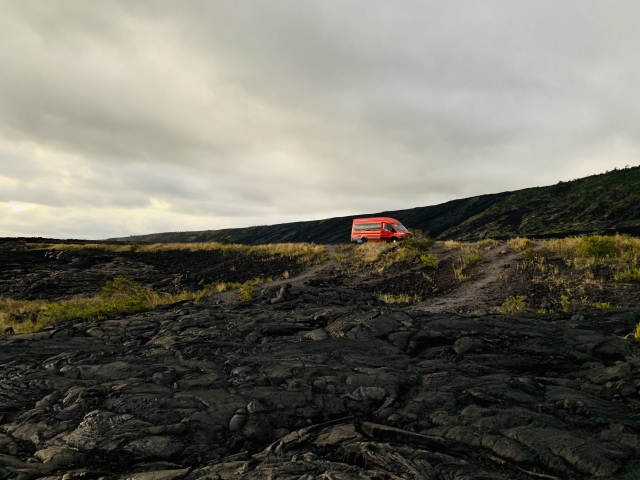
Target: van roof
[(375, 219)]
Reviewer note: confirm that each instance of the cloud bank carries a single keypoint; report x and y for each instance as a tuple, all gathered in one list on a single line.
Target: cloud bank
[(121, 118)]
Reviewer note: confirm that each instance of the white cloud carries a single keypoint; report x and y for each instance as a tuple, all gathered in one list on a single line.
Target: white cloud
[(119, 118)]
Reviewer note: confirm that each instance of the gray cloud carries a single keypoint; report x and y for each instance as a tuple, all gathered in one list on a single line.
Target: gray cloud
[(128, 117)]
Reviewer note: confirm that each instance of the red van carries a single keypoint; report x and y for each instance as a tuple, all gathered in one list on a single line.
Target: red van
[(378, 229)]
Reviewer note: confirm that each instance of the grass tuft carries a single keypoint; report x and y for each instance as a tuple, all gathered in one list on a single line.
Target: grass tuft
[(429, 261), (516, 305), (246, 292), (487, 242), (459, 274), (635, 335), (400, 298), (418, 243), (471, 258), (454, 245), (565, 303), (519, 244)]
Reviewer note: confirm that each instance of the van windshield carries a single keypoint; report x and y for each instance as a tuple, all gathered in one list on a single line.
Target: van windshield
[(399, 226), (366, 227)]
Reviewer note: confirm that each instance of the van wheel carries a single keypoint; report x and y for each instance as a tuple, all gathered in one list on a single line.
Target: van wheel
[(394, 240)]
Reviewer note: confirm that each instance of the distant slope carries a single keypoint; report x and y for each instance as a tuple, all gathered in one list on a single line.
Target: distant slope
[(597, 204)]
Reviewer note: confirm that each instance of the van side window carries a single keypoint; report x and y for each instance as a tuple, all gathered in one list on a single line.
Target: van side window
[(388, 227), (366, 227)]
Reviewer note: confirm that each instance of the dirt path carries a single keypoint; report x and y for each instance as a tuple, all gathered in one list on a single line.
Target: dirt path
[(478, 292)]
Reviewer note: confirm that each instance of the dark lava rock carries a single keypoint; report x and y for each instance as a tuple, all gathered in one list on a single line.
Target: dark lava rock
[(342, 391)]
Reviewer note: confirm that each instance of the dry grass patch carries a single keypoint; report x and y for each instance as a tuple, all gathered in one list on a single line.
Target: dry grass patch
[(121, 296), (455, 245), (519, 244), (620, 252), (307, 253), (487, 242), (469, 258), (400, 298)]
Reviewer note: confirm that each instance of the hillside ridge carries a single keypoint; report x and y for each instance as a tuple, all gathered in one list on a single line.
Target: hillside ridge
[(603, 203)]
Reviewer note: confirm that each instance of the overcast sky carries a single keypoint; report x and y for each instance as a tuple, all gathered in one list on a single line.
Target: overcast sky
[(119, 118)]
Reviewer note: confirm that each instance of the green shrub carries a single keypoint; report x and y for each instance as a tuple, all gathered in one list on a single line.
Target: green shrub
[(246, 292), (597, 246), (471, 258), (514, 306), (627, 276), (429, 260), (224, 241)]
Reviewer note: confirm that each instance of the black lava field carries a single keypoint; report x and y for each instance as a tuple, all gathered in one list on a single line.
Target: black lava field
[(311, 379)]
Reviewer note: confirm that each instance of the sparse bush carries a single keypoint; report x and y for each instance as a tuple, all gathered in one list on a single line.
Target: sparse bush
[(516, 305), (246, 292), (627, 276), (597, 246), (224, 241), (519, 244), (429, 260)]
